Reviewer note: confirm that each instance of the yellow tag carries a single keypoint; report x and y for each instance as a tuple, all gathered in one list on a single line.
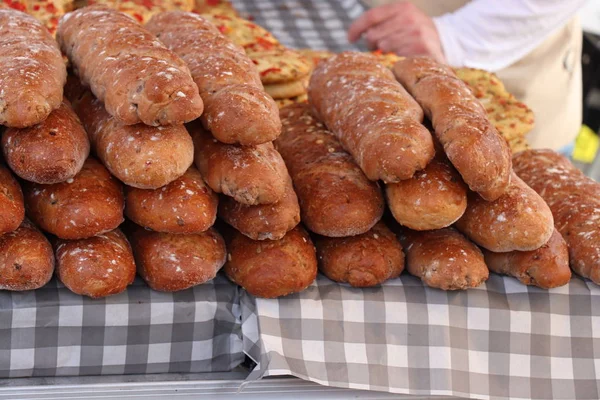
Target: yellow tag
[(586, 145)]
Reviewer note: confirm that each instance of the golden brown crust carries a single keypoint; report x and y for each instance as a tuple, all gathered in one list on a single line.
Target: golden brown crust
[(372, 115), (251, 175), (96, 267), (470, 141), (287, 90), (518, 220), (336, 198), (434, 198), (575, 203), (139, 155), (444, 259), (362, 261), (127, 68), (26, 259), (89, 204), (546, 267), (50, 152), (33, 72), (186, 205), (169, 263), (271, 268), (263, 221), (238, 111), (12, 207)]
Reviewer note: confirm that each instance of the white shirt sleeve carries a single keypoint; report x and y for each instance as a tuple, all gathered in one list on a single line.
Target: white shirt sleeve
[(493, 34)]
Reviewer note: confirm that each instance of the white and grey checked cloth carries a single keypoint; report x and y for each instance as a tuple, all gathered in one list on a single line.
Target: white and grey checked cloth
[(501, 340), (53, 332)]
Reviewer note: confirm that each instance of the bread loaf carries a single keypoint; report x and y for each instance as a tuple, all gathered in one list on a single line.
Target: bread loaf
[(271, 268), (575, 203), (251, 175), (32, 72), (12, 207), (26, 259), (89, 204), (470, 141), (96, 267), (433, 198), (517, 220), (49, 152), (363, 260), (169, 263), (140, 156), (265, 221), (238, 111), (372, 115), (546, 267), (127, 68), (443, 259), (185, 205), (336, 198)]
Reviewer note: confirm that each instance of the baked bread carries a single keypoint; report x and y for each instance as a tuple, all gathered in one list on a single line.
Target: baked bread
[(443, 259), (250, 175), (434, 198), (374, 118), (546, 267), (263, 221), (33, 72), (49, 152), (575, 203), (12, 207), (470, 141), (186, 205), (141, 156), (143, 10), (26, 259), (237, 109), (517, 220), (286, 90), (46, 11), (169, 263), (96, 267), (127, 68), (271, 268), (88, 205), (336, 198), (364, 260)]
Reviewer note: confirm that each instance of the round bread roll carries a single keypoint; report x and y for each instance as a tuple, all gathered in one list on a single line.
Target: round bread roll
[(186, 205), (518, 220), (271, 268), (265, 221), (50, 152), (363, 260), (87, 205), (26, 259), (169, 263), (433, 198), (12, 208), (97, 267)]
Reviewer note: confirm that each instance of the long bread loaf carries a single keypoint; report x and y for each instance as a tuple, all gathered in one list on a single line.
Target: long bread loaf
[(127, 68), (470, 141), (372, 115), (12, 206), (237, 109), (336, 198), (32, 70), (575, 203)]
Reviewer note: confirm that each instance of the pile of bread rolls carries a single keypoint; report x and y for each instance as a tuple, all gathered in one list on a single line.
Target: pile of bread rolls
[(161, 153)]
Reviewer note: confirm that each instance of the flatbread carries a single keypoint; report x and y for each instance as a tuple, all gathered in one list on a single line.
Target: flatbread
[(286, 102), (252, 37), (48, 12), (287, 90), (280, 65), (214, 7), (143, 10), (518, 144)]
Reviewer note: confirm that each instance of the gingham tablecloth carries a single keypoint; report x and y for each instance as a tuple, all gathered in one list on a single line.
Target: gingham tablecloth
[(53, 332), (501, 340)]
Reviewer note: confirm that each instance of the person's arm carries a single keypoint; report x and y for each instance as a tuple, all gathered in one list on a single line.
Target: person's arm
[(491, 35)]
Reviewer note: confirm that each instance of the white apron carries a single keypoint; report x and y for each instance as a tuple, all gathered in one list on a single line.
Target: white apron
[(548, 79)]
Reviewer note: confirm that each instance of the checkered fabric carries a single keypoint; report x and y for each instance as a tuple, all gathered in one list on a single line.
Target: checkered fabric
[(501, 340), (53, 332)]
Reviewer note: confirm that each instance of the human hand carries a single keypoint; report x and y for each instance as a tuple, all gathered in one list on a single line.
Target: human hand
[(399, 28)]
